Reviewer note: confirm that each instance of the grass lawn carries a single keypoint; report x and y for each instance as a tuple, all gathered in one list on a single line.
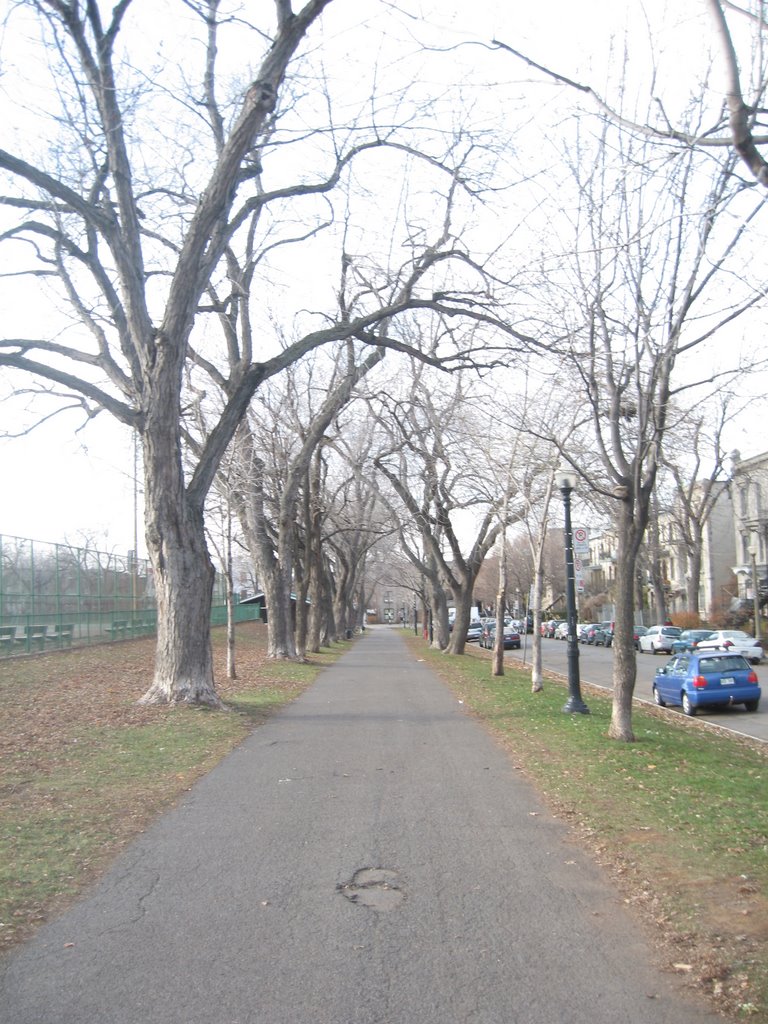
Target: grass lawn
[(680, 818), (84, 769)]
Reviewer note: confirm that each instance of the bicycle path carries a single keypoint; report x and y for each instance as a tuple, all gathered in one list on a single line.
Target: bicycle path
[(367, 856)]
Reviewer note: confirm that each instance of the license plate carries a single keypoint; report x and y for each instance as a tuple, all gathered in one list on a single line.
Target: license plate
[(727, 681)]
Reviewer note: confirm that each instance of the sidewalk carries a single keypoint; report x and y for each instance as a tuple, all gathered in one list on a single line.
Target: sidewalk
[(368, 856)]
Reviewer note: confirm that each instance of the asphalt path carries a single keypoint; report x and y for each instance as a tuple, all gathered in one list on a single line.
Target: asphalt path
[(367, 856), (596, 668)]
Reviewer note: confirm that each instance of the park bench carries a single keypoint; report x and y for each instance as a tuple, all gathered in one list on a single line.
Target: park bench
[(62, 634), (34, 637), (7, 638), (118, 629)]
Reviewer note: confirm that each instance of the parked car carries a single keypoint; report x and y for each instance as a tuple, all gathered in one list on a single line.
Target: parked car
[(706, 679), (659, 638), (561, 632), (733, 640), (639, 631), (604, 634), (689, 639), (587, 634), (474, 631), (548, 628), (511, 637)]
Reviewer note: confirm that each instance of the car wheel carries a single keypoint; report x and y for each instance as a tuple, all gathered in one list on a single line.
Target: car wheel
[(755, 661), (657, 699), (688, 708), (751, 705)]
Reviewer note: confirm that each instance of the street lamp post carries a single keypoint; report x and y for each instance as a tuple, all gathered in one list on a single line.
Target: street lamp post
[(566, 482), (755, 594)]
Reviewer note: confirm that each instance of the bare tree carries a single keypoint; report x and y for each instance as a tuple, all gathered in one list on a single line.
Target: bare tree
[(270, 520), (651, 245), (142, 248), (435, 464), (221, 542), (743, 115), (356, 520), (696, 459), (740, 125), (532, 417)]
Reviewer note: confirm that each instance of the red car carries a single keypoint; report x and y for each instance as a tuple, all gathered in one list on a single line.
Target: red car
[(511, 637)]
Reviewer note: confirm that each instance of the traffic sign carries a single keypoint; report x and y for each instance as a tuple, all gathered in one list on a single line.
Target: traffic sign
[(580, 540)]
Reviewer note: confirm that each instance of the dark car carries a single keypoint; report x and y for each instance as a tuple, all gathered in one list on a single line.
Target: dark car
[(639, 631), (688, 640), (706, 679), (511, 637), (587, 634), (604, 634)]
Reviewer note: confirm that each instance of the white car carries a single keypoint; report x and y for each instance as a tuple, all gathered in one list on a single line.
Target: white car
[(735, 641), (658, 638)]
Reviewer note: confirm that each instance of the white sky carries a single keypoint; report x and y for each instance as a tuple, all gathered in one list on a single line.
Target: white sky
[(59, 484)]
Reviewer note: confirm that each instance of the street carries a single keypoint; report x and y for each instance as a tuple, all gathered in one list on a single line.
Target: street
[(596, 667)]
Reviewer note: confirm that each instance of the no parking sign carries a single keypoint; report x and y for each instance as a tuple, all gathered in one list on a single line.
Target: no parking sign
[(580, 540)]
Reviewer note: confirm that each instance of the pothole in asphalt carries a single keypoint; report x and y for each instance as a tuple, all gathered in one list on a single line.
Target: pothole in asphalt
[(376, 888)]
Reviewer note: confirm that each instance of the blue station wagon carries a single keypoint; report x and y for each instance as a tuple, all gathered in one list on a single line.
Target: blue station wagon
[(706, 679)]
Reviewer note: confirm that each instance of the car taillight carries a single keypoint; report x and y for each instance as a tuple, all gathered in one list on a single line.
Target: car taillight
[(752, 677), (728, 643), (699, 682)]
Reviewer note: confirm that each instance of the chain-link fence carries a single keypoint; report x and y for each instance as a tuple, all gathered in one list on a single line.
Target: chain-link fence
[(57, 595)]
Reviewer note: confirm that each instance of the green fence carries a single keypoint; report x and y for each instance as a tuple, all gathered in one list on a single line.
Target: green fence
[(57, 595)]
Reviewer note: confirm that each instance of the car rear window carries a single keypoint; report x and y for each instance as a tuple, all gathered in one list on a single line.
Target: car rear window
[(671, 631), (733, 663)]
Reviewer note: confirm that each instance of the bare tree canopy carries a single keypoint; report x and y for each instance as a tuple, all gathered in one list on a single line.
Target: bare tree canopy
[(151, 222), (740, 58)]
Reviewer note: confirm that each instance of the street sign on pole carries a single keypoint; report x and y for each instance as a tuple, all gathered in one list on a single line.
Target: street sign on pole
[(580, 540)]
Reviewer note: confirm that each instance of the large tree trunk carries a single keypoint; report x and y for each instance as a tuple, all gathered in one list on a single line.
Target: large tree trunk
[(537, 669), (463, 599), (183, 575), (314, 548), (501, 600), (281, 642), (231, 668), (441, 633), (302, 626), (693, 579), (624, 661)]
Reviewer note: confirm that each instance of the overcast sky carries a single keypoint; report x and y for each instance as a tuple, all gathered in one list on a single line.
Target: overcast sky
[(63, 483)]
